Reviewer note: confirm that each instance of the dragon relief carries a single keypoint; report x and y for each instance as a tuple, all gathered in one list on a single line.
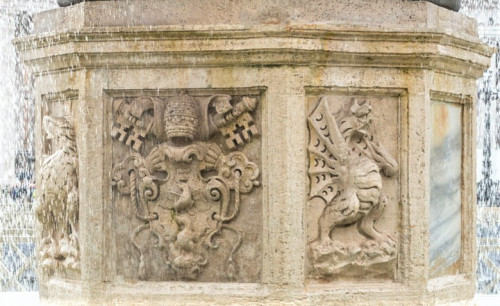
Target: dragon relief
[(185, 191), (346, 166), (58, 203)]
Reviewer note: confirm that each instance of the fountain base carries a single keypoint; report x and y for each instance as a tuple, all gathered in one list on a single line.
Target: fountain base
[(208, 147)]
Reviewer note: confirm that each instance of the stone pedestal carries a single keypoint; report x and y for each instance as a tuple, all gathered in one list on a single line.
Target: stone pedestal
[(256, 151)]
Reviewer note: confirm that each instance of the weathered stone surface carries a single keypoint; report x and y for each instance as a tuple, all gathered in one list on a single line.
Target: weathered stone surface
[(348, 166), (380, 14), (450, 4), (111, 74), (187, 205), (58, 203)]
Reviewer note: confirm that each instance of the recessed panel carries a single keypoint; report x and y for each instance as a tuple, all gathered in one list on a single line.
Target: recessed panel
[(58, 206), (186, 186), (354, 193), (446, 181)]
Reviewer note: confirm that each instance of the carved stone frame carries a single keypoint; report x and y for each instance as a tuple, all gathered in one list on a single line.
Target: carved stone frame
[(109, 266), (468, 187)]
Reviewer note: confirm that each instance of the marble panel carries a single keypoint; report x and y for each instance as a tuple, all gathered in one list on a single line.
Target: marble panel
[(446, 180)]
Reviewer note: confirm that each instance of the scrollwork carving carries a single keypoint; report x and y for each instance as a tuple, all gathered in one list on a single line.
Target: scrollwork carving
[(186, 191)]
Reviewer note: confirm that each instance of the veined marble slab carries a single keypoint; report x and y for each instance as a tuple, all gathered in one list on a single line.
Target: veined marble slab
[(446, 179)]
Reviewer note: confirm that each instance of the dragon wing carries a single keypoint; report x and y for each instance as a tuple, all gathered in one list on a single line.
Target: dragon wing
[(327, 154)]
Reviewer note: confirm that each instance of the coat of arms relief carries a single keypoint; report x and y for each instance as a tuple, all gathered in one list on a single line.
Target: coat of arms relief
[(349, 170), (186, 180)]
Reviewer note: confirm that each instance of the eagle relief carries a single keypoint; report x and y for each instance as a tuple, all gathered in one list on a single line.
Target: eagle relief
[(58, 202), (346, 170), (185, 190)]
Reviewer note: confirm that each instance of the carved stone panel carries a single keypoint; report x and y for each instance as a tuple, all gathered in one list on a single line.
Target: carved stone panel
[(58, 201), (354, 190), (186, 185), (58, 204)]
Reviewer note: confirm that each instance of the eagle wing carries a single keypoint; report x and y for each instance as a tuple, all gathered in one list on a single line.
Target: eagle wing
[(327, 154)]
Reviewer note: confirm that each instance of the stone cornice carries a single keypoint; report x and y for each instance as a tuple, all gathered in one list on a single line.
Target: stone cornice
[(197, 46), (240, 32)]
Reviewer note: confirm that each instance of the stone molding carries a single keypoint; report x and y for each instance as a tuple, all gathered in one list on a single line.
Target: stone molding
[(266, 45), (416, 35)]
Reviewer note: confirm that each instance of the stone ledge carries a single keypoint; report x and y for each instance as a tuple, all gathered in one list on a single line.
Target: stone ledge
[(240, 32), (261, 45), (347, 293)]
